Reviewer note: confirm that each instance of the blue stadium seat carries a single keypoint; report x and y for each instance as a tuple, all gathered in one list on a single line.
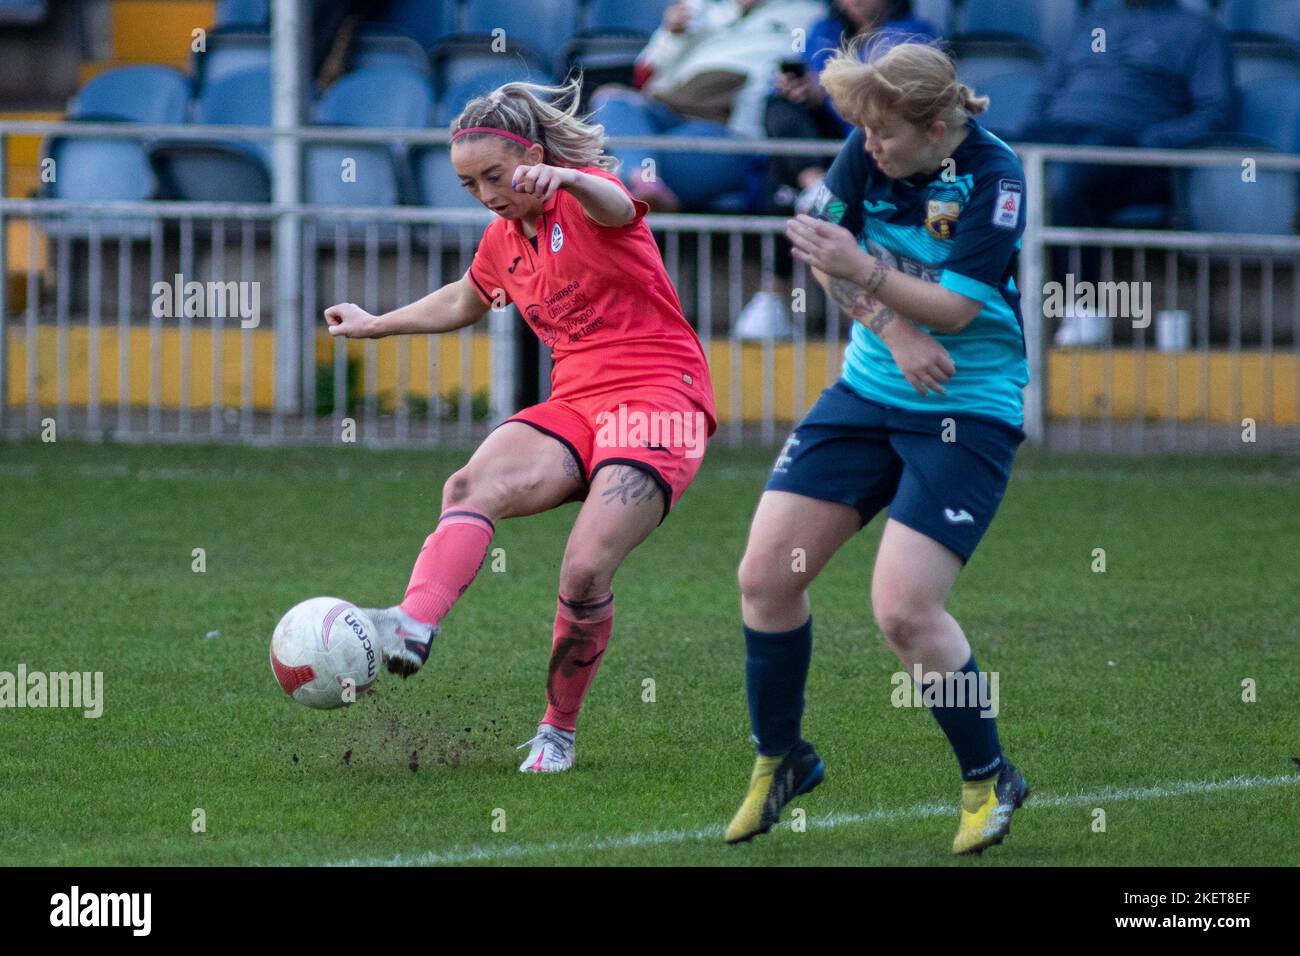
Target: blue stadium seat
[(1218, 201), (138, 94), (377, 97), (229, 52), (1058, 20), (1006, 19), (980, 65), (454, 99), (350, 174), (238, 99), (438, 183), (1270, 112), (22, 12), (245, 13), (94, 170), (98, 169), (1255, 62), (1012, 96), (425, 21), (378, 48), (391, 98), (464, 59), (540, 26), (1276, 18), (635, 16), (938, 12), (222, 172)]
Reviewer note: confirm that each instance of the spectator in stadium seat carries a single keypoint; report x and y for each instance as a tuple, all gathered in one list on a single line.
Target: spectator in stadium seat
[(706, 73), (334, 25), (1164, 81), (798, 108)]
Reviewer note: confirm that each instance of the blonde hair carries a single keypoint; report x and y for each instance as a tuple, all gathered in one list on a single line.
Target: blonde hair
[(542, 114), (913, 80)]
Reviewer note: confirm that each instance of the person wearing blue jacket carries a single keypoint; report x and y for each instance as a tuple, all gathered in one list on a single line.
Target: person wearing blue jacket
[(1150, 74)]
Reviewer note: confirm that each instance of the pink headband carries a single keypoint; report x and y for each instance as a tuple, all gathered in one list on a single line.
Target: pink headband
[(490, 129)]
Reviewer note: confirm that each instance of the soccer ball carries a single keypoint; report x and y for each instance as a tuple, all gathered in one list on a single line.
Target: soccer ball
[(324, 653)]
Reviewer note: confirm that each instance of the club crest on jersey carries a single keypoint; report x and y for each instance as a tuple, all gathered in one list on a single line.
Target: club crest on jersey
[(940, 217), (557, 238)]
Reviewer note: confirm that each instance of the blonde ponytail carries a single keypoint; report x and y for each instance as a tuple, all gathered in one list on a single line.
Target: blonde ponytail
[(541, 114)]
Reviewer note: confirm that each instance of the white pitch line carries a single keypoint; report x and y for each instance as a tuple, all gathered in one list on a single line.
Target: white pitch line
[(917, 812)]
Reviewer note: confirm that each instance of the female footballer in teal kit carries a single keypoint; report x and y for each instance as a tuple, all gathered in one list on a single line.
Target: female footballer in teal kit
[(915, 235)]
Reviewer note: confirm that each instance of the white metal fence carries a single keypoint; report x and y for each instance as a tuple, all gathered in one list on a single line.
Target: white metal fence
[(82, 341)]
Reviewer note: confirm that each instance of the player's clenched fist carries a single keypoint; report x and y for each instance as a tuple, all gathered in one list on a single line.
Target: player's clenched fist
[(349, 320), (541, 180)]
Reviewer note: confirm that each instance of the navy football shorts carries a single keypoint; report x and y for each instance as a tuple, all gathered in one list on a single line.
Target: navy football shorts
[(869, 456)]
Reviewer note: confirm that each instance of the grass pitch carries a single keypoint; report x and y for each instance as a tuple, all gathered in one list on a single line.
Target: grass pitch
[(1120, 691)]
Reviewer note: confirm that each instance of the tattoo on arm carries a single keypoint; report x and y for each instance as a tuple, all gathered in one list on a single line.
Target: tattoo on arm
[(851, 297), (632, 486), (862, 306), (878, 322), (879, 273)]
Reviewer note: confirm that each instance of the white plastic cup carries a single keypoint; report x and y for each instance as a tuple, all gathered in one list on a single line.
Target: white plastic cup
[(1173, 330)]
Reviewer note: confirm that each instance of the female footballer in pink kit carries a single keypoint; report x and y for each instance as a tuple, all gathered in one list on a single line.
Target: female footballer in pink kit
[(572, 251)]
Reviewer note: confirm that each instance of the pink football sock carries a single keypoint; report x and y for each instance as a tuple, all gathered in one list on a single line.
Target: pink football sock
[(447, 564), (582, 631)]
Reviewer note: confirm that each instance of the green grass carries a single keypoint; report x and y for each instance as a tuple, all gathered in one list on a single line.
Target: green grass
[(1127, 679)]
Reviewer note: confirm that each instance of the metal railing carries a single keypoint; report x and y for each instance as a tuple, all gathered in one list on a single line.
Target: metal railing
[(1069, 421), (292, 383)]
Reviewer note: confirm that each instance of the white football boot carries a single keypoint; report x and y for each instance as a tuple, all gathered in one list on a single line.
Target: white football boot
[(552, 750), (404, 642)]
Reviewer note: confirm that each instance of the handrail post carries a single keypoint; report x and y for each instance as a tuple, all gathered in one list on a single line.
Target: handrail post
[(288, 76)]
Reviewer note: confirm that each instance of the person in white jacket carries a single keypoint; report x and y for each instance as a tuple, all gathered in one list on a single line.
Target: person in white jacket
[(710, 67)]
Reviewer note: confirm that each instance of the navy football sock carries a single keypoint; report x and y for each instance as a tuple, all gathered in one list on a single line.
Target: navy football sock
[(974, 738), (776, 669)]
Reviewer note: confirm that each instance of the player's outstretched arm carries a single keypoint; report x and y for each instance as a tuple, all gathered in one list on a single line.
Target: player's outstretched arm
[(603, 201), (452, 307)]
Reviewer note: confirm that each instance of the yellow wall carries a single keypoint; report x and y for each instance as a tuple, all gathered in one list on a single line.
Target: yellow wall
[(201, 385), (1171, 385), (1071, 373)]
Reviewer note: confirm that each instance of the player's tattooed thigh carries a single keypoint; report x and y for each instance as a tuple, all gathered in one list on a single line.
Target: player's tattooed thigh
[(632, 486), (571, 468)]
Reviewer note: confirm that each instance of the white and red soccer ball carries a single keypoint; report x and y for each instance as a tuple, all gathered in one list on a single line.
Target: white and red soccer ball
[(325, 653)]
